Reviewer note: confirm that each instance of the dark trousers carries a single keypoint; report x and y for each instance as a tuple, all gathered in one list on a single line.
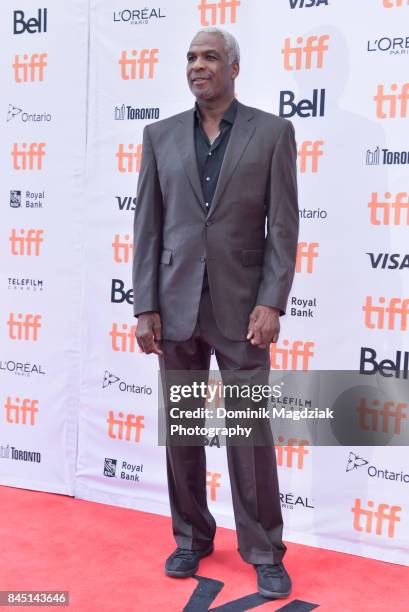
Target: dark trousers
[(252, 469)]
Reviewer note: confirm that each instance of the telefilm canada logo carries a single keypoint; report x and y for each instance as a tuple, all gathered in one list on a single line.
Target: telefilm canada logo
[(355, 462), (20, 198), (25, 283), (138, 16), (15, 113), (111, 380)]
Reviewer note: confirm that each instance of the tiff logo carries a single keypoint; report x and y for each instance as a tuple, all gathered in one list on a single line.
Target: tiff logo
[(122, 249), (306, 253), (130, 160), (125, 340), (21, 413), (397, 206), (122, 428), (25, 327), (311, 150), (28, 243), (395, 3), (375, 314), (387, 105), (314, 49), (295, 358), (375, 521), (213, 482), (31, 159), (210, 9), (32, 25), (294, 448), (379, 417), (146, 59), (30, 68)]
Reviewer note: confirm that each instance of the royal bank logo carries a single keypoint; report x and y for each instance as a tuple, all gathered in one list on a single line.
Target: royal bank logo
[(110, 467), (386, 157), (138, 16), (26, 199), (130, 113), (15, 198), (15, 112)]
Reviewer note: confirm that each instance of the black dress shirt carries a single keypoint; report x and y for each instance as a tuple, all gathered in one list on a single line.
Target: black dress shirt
[(210, 156)]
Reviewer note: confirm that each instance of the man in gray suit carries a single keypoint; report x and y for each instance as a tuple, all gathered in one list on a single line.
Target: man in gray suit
[(215, 235)]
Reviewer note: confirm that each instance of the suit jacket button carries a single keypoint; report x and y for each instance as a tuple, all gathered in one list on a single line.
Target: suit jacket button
[(203, 259), (208, 223)]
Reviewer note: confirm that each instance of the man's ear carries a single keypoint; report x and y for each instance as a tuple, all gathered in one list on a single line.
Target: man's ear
[(235, 70)]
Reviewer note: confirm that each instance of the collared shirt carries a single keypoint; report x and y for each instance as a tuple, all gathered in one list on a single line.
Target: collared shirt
[(210, 156)]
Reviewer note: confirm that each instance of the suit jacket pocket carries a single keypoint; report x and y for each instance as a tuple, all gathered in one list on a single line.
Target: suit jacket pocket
[(252, 257), (166, 256)]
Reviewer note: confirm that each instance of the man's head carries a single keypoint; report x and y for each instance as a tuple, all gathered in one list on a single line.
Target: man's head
[(212, 64)]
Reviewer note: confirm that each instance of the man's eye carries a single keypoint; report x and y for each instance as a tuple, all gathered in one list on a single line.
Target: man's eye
[(190, 59), (212, 57)]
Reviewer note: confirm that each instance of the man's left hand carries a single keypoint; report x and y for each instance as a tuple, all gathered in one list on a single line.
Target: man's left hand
[(264, 326)]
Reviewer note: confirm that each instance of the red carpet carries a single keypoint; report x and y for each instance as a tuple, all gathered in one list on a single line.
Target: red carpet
[(111, 559)]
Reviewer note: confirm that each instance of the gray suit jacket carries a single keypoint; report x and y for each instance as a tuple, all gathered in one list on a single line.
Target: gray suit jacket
[(248, 238)]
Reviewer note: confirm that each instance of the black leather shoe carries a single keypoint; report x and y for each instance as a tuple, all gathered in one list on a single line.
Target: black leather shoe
[(183, 563), (273, 580)]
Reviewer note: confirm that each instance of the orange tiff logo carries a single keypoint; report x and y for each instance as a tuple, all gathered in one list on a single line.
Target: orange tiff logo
[(388, 105), (386, 417), (24, 327), (313, 50), (386, 315), (209, 9), (123, 341), (310, 151), (123, 249), (213, 482), (21, 412), (395, 3), (380, 212), (306, 253), (294, 448), (127, 428), (144, 60), (30, 68), (28, 159), (27, 243), (295, 357), (130, 160), (376, 521)]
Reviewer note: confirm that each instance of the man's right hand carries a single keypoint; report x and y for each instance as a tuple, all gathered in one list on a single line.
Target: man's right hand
[(148, 332)]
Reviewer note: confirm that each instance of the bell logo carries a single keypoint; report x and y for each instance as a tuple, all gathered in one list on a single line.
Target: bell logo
[(210, 8), (387, 104), (395, 3), (123, 249), (127, 428), (396, 308), (213, 482), (146, 59), (294, 447), (123, 341), (289, 358), (375, 521), (304, 108), (27, 243), (30, 68), (313, 49), (386, 367), (310, 150), (24, 327), (28, 159), (380, 417), (306, 252), (130, 160), (21, 412), (380, 212)]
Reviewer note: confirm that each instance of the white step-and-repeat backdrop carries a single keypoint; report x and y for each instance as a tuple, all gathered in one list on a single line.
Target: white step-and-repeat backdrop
[(80, 80)]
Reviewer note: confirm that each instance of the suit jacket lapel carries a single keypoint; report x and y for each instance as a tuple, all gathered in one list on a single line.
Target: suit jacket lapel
[(240, 135), (185, 138)]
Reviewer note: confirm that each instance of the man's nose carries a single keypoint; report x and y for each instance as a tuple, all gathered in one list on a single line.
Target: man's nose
[(197, 64)]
